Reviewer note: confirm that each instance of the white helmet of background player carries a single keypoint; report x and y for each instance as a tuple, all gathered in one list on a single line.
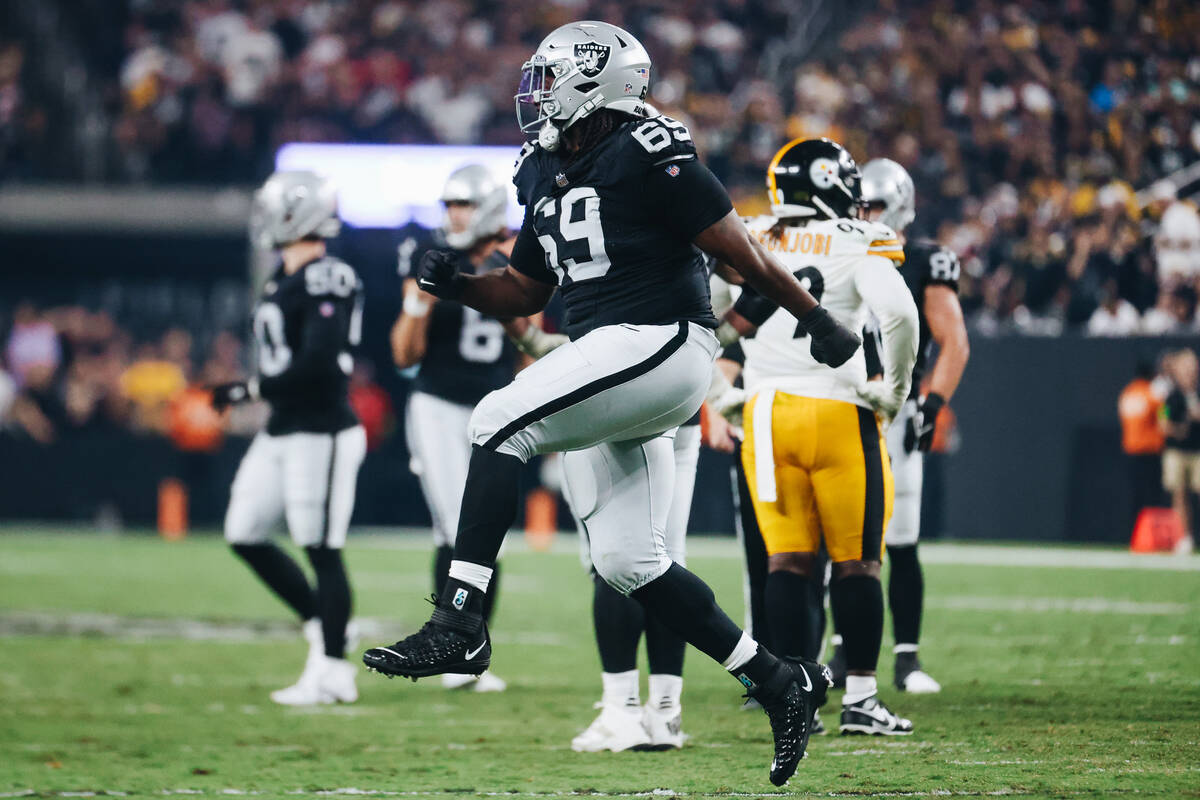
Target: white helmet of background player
[(477, 187), (888, 185), (294, 204), (577, 70)]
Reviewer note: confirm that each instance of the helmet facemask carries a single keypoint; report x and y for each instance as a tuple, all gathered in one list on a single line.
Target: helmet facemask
[(537, 107)]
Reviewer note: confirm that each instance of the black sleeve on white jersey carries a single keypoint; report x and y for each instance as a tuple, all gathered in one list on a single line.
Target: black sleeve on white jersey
[(327, 320), (687, 196), (528, 257)]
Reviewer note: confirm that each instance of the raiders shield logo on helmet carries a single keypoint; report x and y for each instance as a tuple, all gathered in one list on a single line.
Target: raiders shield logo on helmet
[(591, 57)]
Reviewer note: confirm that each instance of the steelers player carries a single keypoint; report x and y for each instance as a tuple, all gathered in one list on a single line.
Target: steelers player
[(931, 273), (304, 467), (814, 456), (462, 355)]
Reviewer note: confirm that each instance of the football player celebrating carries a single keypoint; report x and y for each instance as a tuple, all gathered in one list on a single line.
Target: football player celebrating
[(814, 456), (617, 210), (931, 273), (463, 355), (304, 467)]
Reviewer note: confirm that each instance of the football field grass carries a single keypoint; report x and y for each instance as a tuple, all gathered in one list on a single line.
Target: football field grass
[(135, 666)]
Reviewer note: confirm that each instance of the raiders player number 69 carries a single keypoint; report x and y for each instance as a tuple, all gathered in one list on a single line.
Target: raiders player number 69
[(617, 211)]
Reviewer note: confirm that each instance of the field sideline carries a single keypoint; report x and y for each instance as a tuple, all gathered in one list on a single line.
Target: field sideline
[(135, 667)]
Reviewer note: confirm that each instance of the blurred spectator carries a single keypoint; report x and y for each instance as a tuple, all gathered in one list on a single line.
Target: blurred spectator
[(1180, 421), (33, 352), (150, 383), (1175, 313), (371, 404)]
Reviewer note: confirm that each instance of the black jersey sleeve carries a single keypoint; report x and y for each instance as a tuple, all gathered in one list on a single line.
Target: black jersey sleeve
[(528, 256), (938, 266), (687, 196), (328, 322)]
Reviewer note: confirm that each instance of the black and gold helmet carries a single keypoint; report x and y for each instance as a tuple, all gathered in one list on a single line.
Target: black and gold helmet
[(814, 178)]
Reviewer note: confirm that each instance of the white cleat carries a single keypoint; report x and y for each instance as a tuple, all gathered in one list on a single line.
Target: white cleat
[(485, 682), (664, 727), (326, 680), (920, 682), (617, 728)]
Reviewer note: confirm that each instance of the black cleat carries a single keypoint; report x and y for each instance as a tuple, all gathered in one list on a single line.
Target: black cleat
[(870, 717), (452, 641), (791, 698)]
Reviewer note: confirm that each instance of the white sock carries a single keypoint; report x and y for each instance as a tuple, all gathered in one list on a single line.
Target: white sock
[(745, 650), (664, 690), (904, 648), (621, 688), (859, 688), (476, 575)]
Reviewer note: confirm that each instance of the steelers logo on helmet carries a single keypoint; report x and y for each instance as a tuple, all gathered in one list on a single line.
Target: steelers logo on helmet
[(823, 172), (591, 57)]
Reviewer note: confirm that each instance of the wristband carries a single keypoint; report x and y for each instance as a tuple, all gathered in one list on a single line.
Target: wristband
[(414, 306), (818, 323)]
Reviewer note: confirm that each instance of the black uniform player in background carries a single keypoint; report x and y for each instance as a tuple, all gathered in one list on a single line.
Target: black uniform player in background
[(460, 356), (616, 205), (304, 467), (931, 273)]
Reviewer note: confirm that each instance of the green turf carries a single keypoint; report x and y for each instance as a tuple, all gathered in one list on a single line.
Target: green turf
[(1060, 682)]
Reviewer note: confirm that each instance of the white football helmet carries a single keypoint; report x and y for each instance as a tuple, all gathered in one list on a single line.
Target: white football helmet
[(295, 204), (474, 184), (578, 69), (886, 182)]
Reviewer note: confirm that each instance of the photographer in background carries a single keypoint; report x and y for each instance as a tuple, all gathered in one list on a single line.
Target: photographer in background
[(1180, 421)]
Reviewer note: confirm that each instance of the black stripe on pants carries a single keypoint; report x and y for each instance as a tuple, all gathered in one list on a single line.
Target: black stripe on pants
[(589, 390), (872, 532)]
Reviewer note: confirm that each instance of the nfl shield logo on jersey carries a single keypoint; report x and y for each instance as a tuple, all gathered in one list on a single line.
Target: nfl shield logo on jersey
[(460, 599), (591, 57)]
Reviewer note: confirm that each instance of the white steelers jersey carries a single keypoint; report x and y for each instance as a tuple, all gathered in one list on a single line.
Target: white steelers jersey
[(850, 267)]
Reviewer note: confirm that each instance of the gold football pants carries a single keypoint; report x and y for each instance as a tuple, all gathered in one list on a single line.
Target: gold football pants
[(817, 469)]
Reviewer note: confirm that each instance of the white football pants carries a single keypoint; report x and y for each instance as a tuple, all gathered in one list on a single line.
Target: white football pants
[(309, 479), (907, 476), (607, 399), (439, 446)]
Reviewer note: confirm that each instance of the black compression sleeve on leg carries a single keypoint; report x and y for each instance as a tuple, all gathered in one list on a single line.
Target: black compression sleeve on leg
[(756, 555), (442, 557), (858, 614), (787, 596), (282, 575), (664, 648), (489, 599), (619, 621), (686, 605), (816, 608), (333, 598), (906, 594), (489, 505)]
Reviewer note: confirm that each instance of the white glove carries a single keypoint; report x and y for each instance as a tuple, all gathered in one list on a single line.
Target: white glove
[(882, 399), (536, 343)]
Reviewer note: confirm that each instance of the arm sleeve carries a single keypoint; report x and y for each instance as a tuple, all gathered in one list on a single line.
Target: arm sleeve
[(880, 285), (528, 257), (687, 196), (325, 337)]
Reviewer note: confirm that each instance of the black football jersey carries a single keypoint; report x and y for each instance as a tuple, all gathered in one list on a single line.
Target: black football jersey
[(613, 228), (926, 263), (467, 354), (304, 325)]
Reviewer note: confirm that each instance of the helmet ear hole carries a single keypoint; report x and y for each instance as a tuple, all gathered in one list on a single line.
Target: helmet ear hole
[(584, 88)]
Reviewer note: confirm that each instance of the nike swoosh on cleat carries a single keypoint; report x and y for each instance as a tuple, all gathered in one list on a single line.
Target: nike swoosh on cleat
[(390, 650), (472, 653), (807, 687)]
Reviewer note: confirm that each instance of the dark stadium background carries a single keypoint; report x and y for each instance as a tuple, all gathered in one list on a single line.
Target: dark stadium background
[(1046, 141)]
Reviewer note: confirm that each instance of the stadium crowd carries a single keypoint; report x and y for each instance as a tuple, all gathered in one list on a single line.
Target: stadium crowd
[(1026, 126)]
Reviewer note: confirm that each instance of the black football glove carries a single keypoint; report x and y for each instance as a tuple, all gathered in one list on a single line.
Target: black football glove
[(228, 394), (918, 435), (437, 273), (832, 342), (754, 307)]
